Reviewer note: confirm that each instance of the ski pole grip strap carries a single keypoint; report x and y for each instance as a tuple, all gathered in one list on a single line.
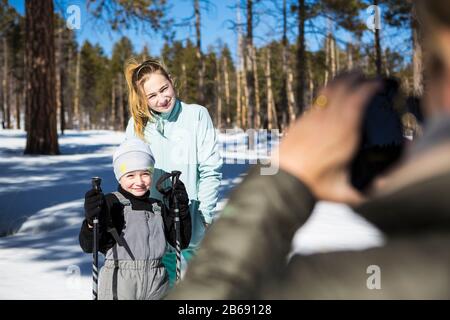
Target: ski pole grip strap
[(159, 183)]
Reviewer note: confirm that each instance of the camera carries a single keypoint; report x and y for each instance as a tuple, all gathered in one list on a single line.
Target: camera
[(382, 140)]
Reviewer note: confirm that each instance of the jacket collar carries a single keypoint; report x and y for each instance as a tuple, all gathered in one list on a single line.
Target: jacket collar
[(160, 119), (168, 116)]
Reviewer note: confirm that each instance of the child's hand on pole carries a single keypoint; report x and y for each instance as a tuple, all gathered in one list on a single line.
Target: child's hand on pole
[(93, 204)]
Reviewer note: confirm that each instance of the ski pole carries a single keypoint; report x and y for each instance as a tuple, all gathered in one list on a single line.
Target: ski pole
[(175, 177), (96, 186)]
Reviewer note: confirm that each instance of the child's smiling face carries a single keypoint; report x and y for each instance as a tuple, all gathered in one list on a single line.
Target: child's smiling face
[(136, 182)]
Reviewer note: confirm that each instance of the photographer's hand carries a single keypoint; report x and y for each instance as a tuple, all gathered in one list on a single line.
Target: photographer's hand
[(320, 145)]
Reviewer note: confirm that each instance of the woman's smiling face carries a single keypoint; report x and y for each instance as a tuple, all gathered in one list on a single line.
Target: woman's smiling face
[(159, 93)]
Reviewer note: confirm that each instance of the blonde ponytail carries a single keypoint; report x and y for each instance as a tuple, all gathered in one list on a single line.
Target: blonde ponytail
[(136, 101)]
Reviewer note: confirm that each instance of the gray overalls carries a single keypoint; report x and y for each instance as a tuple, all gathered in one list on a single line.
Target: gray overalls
[(133, 270)]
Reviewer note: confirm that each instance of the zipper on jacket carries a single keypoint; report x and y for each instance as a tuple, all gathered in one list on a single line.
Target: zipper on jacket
[(145, 276)]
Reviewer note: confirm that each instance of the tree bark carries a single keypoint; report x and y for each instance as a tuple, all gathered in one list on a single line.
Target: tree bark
[(113, 104), (5, 85), (310, 84), (58, 87), (122, 105), (257, 120), (219, 94), (18, 101), (417, 58), (337, 57), (327, 60), (301, 57), (200, 60), (287, 71), (271, 111), (227, 90), (349, 57), (239, 97), (332, 57), (183, 78), (42, 136), (76, 101), (2, 106), (378, 55), (249, 76)]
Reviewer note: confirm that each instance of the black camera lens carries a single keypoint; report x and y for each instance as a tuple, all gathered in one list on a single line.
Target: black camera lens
[(382, 140)]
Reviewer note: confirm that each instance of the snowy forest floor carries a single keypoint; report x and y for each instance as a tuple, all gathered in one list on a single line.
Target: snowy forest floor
[(41, 210)]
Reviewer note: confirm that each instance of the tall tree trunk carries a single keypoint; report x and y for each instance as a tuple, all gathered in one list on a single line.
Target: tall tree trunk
[(183, 78), (113, 120), (5, 85), (290, 94), (62, 119), (337, 57), (2, 106), (250, 80), (287, 72), (227, 90), (76, 100), (310, 84), (200, 60), (238, 99), (245, 101), (122, 107), (271, 117), (219, 94), (64, 72), (42, 138), (327, 60), (250, 77), (301, 57), (257, 120), (378, 55), (331, 50), (239, 96), (58, 60), (349, 57), (24, 93), (417, 57), (18, 101), (69, 90), (385, 65), (332, 57)]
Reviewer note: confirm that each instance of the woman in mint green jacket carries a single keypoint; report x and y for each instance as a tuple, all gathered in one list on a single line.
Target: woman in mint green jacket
[(182, 137)]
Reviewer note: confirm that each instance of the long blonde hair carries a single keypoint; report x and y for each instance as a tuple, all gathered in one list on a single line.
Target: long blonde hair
[(136, 74)]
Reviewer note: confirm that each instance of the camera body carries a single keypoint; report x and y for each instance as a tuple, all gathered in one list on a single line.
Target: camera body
[(382, 139)]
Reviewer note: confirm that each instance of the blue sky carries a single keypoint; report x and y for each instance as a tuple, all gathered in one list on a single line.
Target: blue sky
[(215, 25)]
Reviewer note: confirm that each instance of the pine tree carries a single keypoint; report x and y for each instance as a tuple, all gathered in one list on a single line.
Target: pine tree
[(40, 80)]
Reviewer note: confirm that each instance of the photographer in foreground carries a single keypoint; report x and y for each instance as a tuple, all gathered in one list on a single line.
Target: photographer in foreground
[(244, 255)]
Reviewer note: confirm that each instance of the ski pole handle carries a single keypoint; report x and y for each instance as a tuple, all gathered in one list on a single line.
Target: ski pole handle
[(175, 178), (96, 181)]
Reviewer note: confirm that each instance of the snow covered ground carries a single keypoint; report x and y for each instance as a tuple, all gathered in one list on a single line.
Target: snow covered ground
[(41, 209)]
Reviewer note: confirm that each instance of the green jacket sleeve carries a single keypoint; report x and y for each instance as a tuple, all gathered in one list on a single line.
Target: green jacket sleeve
[(209, 166), (250, 241)]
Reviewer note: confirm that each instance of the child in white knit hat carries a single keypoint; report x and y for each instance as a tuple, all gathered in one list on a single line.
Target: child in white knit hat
[(134, 228)]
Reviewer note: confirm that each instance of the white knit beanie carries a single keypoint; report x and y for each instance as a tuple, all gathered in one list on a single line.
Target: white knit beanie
[(133, 154)]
